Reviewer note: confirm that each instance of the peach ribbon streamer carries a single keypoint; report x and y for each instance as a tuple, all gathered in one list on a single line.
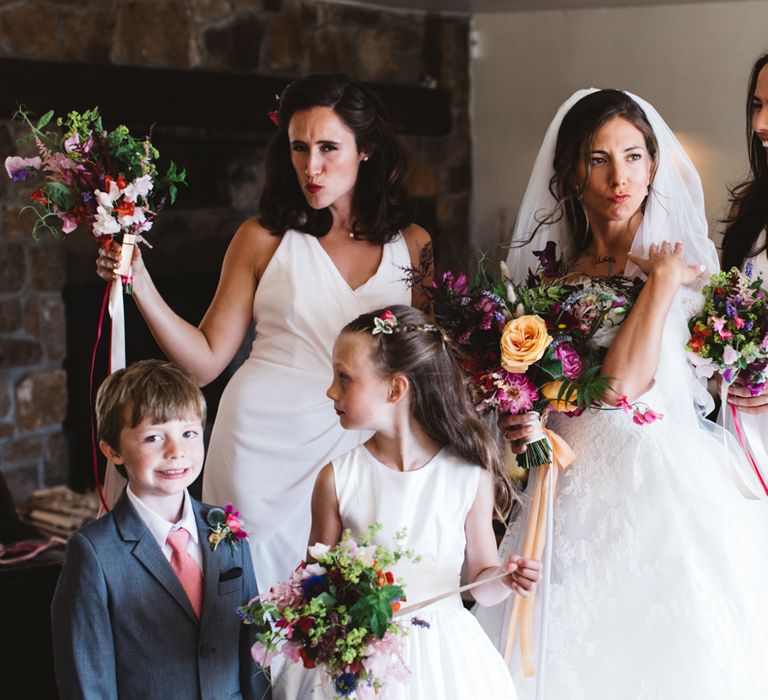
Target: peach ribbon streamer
[(521, 619)]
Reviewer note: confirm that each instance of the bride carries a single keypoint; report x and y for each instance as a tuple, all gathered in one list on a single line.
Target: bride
[(659, 579)]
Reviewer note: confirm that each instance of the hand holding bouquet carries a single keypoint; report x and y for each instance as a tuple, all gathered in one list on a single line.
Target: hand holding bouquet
[(105, 181), (337, 614), (534, 346), (730, 335)]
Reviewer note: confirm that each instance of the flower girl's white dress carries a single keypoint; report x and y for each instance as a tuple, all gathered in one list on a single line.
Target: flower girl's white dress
[(453, 658), (659, 584)]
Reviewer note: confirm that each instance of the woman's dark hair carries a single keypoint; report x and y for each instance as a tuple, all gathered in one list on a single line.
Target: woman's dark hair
[(749, 200), (381, 205), (574, 144), (418, 349)]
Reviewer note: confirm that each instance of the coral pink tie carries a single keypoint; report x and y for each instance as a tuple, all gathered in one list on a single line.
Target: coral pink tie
[(186, 569)]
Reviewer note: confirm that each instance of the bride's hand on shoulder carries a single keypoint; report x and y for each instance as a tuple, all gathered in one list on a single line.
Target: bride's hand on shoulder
[(524, 574), (665, 261)]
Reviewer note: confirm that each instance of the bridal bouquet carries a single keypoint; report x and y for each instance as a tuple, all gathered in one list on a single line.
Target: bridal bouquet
[(104, 181), (537, 345), (730, 335), (337, 615)]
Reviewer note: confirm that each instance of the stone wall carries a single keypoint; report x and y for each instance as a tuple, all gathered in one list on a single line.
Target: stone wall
[(285, 38)]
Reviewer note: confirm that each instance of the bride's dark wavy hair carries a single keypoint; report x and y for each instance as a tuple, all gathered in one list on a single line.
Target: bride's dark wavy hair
[(749, 200), (573, 146), (381, 206), (439, 401)]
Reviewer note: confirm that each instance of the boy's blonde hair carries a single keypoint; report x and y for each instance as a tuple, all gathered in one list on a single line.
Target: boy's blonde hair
[(150, 389)]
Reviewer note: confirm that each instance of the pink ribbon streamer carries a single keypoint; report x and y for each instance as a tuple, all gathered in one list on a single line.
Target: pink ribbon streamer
[(745, 446)]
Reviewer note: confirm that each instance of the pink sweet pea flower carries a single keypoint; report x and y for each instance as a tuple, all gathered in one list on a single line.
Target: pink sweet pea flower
[(738, 322), (717, 323), (646, 417), (68, 223), (730, 355), (291, 651), (623, 404), (262, 654), (19, 168)]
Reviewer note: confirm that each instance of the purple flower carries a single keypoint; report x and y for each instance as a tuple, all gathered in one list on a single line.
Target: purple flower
[(314, 586), (516, 393), (569, 358), (549, 263), (418, 622), (728, 375), (457, 285), (489, 305), (748, 268), (345, 684), (19, 168)]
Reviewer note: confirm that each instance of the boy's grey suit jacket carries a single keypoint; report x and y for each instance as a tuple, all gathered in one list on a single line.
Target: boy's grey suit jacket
[(124, 627)]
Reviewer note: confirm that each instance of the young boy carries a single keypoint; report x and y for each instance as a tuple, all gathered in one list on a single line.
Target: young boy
[(144, 608)]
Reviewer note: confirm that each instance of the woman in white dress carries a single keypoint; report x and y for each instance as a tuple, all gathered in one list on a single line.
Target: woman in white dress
[(658, 574), (330, 241), (745, 246)]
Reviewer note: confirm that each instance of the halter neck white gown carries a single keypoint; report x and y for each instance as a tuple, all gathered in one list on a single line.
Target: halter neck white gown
[(275, 427), (453, 659)]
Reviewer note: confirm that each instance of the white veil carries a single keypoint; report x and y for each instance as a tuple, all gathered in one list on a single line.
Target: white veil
[(674, 210)]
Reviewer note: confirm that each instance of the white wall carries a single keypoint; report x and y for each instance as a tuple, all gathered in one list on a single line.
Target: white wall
[(690, 61)]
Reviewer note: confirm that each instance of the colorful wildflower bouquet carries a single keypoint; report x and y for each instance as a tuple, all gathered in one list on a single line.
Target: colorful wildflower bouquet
[(104, 181), (730, 335), (337, 615), (533, 346)]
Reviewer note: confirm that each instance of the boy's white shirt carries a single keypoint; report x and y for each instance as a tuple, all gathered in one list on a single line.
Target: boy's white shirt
[(160, 527)]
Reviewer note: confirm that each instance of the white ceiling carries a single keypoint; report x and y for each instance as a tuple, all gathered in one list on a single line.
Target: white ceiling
[(483, 6)]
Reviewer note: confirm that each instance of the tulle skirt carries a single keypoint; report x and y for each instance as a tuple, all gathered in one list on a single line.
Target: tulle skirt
[(659, 575)]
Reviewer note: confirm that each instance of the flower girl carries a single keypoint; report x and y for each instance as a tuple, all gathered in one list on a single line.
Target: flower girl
[(430, 467)]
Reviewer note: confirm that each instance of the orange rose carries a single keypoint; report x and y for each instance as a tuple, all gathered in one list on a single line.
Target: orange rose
[(523, 341), (551, 390)]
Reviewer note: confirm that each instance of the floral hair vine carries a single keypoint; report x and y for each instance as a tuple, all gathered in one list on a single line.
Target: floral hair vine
[(225, 527), (386, 323)]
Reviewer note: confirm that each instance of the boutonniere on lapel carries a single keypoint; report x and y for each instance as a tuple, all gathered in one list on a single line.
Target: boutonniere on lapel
[(225, 527)]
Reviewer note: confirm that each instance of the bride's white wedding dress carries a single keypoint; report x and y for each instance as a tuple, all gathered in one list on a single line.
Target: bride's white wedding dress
[(659, 582)]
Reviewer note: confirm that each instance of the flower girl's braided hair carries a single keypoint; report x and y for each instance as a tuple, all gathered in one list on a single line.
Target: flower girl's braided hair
[(405, 341)]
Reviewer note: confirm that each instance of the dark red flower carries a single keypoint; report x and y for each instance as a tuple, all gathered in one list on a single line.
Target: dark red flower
[(274, 117), (308, 663), (38, 196)]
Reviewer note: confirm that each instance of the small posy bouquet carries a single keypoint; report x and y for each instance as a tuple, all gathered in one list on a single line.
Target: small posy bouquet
[(730, 335), (337, 614), (105, 181), (534, 346), (225, 527)]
